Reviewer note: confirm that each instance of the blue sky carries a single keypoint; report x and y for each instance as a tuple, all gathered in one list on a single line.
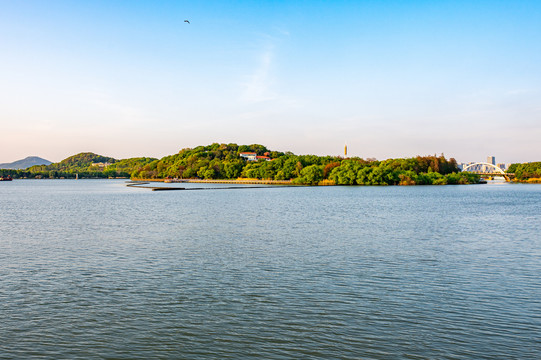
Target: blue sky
[(390, 78)]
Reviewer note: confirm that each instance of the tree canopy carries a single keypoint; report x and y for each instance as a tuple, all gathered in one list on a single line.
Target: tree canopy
[(526, 171), (223, 161)]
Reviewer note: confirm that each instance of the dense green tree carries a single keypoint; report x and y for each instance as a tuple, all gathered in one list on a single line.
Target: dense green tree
[(311, 174), (526, 171), (233, 169)]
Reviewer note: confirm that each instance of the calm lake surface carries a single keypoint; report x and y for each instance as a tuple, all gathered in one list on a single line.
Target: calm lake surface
[(92, 269)]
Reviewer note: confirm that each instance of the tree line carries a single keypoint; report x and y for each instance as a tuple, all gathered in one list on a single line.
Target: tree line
[(223, 161), (526, 171), (83, 165)]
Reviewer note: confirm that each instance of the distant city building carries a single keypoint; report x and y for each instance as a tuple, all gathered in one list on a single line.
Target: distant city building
[(461, 166), (491, 160), (502, 166)]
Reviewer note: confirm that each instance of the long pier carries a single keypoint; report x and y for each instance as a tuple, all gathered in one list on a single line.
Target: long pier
[(220, 181), (237, 181), (141, 184)]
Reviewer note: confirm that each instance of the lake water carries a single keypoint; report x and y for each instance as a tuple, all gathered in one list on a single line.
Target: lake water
[(92, 269)]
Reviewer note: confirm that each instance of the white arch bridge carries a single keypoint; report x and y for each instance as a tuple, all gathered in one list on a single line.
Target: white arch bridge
[(488, 169)]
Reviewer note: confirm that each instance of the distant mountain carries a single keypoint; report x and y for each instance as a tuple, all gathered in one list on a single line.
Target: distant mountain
[(25, 163)]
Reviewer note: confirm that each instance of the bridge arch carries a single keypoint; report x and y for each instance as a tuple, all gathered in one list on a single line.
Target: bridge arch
[(497, 169)]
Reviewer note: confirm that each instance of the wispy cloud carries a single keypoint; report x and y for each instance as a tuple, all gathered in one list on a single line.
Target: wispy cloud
[(520, 91), (282, 31), (258, 86)]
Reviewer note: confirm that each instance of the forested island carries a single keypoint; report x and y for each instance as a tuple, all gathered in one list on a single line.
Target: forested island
[(230, 161)]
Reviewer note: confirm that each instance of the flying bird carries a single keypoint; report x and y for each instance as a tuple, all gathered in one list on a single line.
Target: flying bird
[(187, 21)]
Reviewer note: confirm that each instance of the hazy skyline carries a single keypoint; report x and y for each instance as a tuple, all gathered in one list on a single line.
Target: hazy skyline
[(390, 78)]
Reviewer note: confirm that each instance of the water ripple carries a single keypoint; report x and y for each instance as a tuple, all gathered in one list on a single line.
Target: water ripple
[(94, 270)]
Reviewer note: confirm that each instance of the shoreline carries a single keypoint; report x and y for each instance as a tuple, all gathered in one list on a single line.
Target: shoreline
[(256, 181)]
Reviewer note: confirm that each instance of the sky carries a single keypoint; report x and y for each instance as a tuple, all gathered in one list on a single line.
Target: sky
[(388, 78)]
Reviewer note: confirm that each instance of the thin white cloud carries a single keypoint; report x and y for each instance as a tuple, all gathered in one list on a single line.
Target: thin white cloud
[(281, 31), (258, 86), (520, 91)]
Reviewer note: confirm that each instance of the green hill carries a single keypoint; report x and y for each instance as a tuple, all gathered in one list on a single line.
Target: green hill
[(223, 161), (83, 160)]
